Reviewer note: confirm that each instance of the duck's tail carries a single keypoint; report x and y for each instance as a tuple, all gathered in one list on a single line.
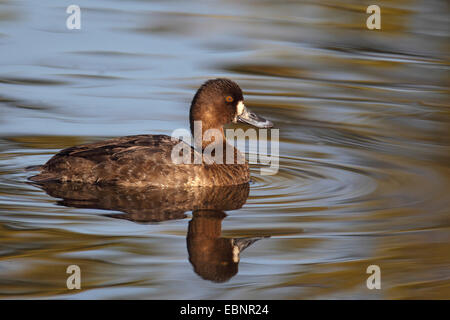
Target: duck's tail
[(41, 177), (34, 168)]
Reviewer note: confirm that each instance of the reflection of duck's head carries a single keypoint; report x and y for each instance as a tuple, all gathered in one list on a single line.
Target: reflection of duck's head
[(213, 257), (210, 255)]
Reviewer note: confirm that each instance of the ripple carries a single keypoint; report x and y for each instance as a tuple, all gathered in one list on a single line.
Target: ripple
[(305, 183)]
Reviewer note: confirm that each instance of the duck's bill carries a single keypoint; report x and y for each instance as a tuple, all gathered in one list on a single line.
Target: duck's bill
[(253, 119)]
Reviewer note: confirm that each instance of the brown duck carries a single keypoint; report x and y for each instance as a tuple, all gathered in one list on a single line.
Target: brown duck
[(146, 160)]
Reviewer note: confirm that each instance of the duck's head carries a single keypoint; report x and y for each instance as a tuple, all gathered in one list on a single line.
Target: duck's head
[(219, 102)]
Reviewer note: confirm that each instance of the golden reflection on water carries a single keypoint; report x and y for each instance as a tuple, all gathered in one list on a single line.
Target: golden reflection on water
[(364, 150)]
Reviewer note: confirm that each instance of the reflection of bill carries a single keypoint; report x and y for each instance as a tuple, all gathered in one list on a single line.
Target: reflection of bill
[(218, 147), (213, 257)]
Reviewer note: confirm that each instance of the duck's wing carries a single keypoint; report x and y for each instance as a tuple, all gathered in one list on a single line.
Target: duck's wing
[(105, 161), (109, 149)]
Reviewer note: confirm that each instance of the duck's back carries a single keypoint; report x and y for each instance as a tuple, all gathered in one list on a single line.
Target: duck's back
[(142, 160)]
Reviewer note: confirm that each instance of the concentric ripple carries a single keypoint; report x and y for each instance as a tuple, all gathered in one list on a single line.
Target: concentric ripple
[(308, 182)]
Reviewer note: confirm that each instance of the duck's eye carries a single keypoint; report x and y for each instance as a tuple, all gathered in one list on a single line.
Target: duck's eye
[(229, 99)]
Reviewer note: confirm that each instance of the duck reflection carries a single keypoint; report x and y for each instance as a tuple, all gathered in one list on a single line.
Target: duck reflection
[(213, 257)]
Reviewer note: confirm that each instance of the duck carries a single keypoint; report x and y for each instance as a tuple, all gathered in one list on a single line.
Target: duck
[(146, 160)]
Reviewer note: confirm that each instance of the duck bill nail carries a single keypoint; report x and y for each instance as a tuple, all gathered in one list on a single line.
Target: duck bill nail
[(254, 120)]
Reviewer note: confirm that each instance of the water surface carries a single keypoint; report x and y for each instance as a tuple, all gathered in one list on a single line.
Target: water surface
[(364, 126)]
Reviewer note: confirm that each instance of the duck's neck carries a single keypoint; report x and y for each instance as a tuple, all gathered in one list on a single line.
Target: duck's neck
[(212, 142)]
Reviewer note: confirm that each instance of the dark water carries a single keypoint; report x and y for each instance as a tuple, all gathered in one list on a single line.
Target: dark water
[(364, 120)]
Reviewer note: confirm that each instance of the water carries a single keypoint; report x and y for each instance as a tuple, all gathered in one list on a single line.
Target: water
[(364, 126)]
